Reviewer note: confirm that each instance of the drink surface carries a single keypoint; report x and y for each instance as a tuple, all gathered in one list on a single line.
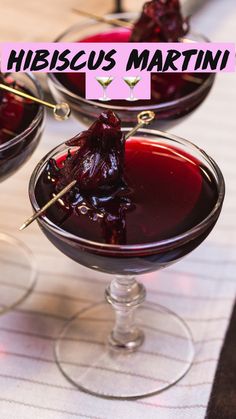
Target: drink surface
[(171, 192), (164, 86)]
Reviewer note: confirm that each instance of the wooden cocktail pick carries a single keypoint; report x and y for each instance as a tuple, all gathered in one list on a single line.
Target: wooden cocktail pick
[(114, 22), (144, 118), (129, 25), (61, 111), (47, 205)]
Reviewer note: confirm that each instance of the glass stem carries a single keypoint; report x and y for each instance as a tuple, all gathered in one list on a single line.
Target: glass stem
[(125, 295), (132, 92), (104, 92)]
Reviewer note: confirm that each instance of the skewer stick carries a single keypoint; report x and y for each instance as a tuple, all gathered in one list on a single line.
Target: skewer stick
[(9, 132), (61, 110), (47, 205), (115, 22), (144, 118)]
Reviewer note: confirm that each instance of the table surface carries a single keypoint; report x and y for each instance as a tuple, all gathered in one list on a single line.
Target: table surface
[(201, 288)]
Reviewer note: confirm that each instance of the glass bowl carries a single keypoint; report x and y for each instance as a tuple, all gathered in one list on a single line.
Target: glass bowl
[(168, 114), (135, 358), (129, 259), (15, 152)]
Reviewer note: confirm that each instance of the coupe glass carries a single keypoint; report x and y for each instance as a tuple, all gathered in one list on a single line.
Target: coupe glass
[(114, 350), (17, 265), (168, 114)]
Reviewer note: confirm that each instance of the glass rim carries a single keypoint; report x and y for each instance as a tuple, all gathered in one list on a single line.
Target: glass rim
[(161, 106), (134, 248), (39, 115)]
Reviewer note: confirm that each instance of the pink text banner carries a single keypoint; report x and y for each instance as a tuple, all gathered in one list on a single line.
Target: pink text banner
[(118, 61)]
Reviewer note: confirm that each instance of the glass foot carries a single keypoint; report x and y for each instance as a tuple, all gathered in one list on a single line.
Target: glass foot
[(17, 272), (91, 363), (131, 99), (104, 99)]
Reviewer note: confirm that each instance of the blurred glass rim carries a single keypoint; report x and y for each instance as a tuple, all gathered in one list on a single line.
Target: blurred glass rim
[(38, 117)]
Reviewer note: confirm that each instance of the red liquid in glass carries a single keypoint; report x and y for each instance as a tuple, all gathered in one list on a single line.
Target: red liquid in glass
[(171, 192), (164, 87)]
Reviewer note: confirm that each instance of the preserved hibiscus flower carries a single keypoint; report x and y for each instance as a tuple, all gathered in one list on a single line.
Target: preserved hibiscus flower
[(98, 163), (160, 21), (98, 167)]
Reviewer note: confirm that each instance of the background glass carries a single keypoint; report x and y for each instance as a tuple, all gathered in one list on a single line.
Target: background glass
[(17, 264)]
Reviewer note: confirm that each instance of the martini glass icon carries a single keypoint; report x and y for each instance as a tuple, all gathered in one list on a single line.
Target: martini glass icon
[(104, 81), (131, 81)]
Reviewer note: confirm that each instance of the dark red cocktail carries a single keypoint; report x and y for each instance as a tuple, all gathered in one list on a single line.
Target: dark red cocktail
[(170, 191), (132, 197), (21, 123), (21, 126)]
